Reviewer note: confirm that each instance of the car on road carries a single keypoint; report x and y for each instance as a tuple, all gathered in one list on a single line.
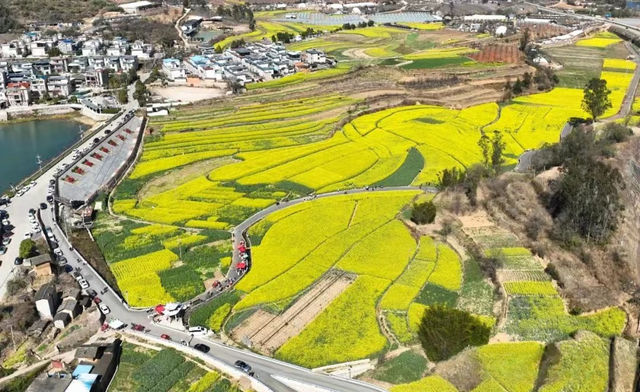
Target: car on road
[(17, 261), (50, 198), (242, 365), (58, 252), (97, 300), (68, 268), (92, 293), (62, 260), (43, 206), (54, 244), (3, 250), (165, 336), (5, 222), (83, 284), (202, 347), (32, 211), (198, 331), (104, 309), (6, 241), (137, 327), (49, 232)]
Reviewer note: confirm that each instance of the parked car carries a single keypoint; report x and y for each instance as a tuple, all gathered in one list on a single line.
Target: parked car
[(202, 347), (6, 241), (242, 365), (104, 309), (83, 284), (32, 211), (43, 206), (18, 261), (165, 336), (137, 327), (199, 331), (3, 250), (97, 300), (91, 293)]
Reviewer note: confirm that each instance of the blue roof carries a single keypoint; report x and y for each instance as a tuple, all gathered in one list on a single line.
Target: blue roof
[(199, 59), (81, 369), (83, 383)]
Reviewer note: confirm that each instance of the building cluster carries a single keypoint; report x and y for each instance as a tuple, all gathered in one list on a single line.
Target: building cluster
[(253, 62), (96, 366), (59, 308), (28, 73)]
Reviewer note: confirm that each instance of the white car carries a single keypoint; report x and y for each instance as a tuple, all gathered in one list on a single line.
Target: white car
[(32, 184), (6, 222), (104, 309), (199, 331), (57, 252), (83, 284), (79, 278)]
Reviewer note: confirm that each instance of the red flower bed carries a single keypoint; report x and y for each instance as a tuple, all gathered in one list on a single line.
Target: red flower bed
[(121, 137), (128, 131), (70, 179), (96, 155), (104, 149), (78, 170), (88, 163), (112, 143)]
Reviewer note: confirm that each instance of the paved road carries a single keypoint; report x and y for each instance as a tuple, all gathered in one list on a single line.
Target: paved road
[(265, 368)]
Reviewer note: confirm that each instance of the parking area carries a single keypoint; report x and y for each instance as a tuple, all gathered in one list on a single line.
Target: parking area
[(99, 166)]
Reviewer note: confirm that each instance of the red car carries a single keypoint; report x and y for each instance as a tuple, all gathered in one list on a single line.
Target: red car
[(165, 336), (137, 327), (97, 300), (104, 327)]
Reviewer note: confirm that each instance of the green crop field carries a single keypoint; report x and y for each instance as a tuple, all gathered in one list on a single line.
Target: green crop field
[(260, 153), (142, 369)]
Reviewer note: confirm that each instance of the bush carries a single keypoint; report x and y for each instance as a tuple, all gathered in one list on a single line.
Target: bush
[(27, 248), (445, 332), (423, 213)]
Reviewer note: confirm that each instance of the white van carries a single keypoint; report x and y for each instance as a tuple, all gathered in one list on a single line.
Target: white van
[(199, 331)]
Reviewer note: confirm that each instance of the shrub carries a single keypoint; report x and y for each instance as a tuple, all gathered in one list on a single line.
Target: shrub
[(445, 332), (423, 213), (27, 248)]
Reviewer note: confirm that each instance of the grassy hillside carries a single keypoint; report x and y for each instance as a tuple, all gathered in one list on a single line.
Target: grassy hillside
[(57, 11)]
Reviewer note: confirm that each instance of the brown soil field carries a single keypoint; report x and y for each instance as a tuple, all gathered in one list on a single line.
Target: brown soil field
[(267, 332)]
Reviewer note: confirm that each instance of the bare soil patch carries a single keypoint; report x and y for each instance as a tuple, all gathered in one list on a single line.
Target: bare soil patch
[(267, 332), (187, 94)]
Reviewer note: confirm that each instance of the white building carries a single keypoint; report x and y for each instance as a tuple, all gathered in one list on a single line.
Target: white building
[(174, 70)]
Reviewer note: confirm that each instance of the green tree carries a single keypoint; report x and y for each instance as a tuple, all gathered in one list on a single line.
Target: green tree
[(423, 213), (587, 201), (218, 49), (122, 96), (445, 332), (140, 93), (596, 97), (54, 52), (485, 145), (27, 248), (497, 150)]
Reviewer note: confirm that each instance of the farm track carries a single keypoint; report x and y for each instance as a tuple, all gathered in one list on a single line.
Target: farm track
[(282, 327)]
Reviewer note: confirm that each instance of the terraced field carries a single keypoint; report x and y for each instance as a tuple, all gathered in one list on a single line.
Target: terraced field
[(204, 170)]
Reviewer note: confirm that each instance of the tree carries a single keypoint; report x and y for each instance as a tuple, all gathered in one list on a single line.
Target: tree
[(517, 87), (524, 40), (485, 146), (122, 96), (445, 332), (218, 49), (450, 177), (15, 285), (140, 93), (370, 23), (423, 213), (54, 52), (587, 200), (27, 248), (596, 97), (497, 149), (526, 80)]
